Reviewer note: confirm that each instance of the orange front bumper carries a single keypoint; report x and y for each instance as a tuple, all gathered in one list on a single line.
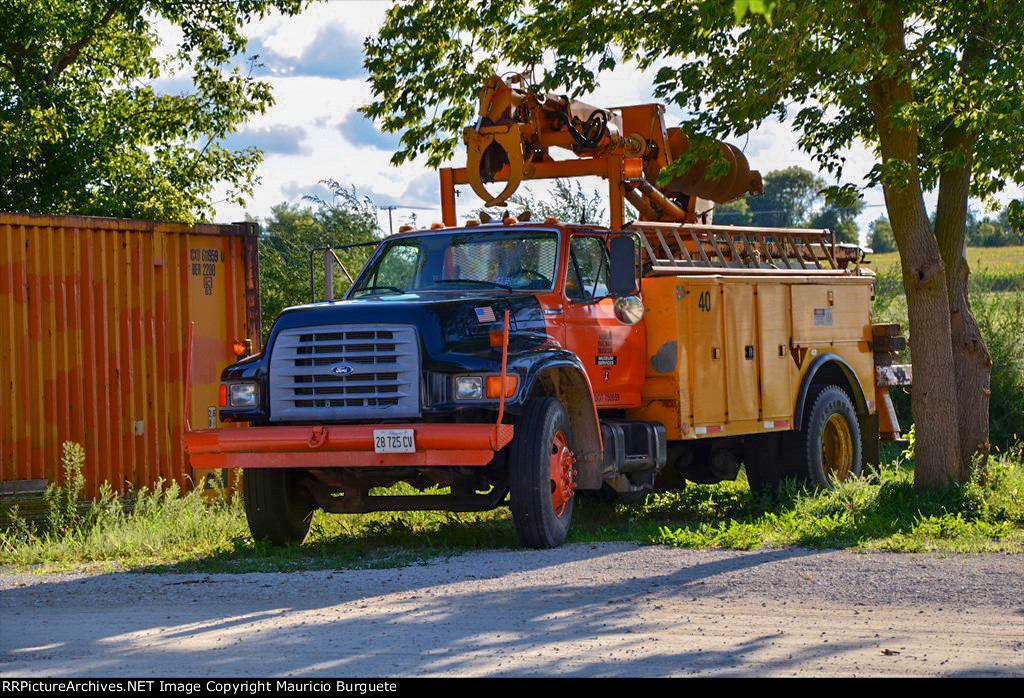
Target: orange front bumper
[(349, 446)]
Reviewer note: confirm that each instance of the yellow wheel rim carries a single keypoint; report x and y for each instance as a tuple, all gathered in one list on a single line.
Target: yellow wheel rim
[(837, 448)]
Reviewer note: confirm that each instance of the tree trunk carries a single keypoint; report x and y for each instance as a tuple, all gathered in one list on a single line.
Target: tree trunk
[(933, 398), (971, 360)]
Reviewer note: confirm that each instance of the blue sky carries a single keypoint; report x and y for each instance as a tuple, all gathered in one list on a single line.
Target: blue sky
[(314, 63)]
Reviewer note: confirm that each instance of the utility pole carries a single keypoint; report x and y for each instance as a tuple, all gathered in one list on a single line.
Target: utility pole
[(391, 225)]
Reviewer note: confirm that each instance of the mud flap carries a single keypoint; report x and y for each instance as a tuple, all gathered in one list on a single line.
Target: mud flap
[(869, 442)]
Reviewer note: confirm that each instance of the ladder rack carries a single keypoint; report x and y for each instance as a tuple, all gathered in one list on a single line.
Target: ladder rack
[(674, 247)]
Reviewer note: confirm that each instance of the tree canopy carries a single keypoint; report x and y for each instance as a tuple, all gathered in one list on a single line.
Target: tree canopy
[(83, 127), (816, 62)]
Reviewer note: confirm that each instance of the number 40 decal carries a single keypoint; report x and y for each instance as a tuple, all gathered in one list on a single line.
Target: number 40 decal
[(704, 301)]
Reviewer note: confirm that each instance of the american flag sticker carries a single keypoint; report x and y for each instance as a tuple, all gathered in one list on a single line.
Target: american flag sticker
[(485, 314)]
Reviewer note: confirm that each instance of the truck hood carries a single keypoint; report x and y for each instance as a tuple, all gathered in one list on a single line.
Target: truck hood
[(447, 323)]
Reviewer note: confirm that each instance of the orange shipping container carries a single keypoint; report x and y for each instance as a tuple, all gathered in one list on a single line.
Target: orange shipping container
[(94, 317)]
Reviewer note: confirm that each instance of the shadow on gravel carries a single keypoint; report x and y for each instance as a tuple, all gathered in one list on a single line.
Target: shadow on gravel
[(433, 620), (263, 624)]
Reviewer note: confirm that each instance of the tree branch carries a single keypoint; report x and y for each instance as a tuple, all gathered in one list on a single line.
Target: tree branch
[(69, 54)]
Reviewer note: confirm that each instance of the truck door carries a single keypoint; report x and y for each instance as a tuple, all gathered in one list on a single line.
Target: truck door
[(613, 352)]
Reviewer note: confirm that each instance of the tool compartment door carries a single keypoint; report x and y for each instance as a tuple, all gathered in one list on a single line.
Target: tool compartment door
[(740, 352), (703, 301), (773, 328), (826, 313)]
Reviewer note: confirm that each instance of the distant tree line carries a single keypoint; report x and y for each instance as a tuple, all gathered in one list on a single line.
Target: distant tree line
[(793, 198), (291, 231), (990, 231)]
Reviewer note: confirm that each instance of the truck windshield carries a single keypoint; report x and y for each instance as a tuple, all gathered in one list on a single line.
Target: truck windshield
[(484, 260)]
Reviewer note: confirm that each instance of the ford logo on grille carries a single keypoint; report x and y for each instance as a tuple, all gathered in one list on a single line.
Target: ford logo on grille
[(342, 369)]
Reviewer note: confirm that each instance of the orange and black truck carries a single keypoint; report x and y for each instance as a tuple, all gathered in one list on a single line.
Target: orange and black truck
[(520, 363)]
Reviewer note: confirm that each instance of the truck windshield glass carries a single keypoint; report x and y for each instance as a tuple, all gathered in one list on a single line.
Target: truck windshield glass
[(485, 260)]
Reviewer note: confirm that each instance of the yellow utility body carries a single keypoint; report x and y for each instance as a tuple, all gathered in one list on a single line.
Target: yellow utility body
[(727, 354)]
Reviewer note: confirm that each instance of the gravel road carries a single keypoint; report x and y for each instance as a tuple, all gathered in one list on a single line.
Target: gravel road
[(611, 609)]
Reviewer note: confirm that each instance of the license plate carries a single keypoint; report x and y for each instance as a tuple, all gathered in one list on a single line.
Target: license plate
[(394, 441)]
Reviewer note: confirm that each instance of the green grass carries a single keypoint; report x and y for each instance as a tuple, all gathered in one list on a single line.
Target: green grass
[(167, 531), (997, 303)]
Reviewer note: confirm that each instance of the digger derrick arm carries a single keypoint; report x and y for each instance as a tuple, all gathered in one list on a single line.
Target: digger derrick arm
[(517, 128)]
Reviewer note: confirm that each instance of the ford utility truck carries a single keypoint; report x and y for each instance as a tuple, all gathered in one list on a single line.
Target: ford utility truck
[(520, 363)]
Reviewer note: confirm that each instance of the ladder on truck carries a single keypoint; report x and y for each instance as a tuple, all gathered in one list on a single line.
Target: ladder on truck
[(693, 247)]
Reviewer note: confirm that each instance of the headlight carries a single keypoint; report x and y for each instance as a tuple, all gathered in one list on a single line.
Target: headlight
[(469, 388), (473, 387), (243, 395)]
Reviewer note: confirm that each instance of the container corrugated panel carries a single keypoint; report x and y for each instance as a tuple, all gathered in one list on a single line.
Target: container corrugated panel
[(94, 318)]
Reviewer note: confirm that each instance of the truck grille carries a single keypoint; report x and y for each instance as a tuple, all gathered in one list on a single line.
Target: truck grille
[(343, 372)]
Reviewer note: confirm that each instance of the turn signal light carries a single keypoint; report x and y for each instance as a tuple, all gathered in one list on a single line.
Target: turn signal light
[(240, 348), (494, 385)]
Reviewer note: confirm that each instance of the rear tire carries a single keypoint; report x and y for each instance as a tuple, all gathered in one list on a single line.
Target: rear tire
[(826, 449), (542, 474), (278, 507), (830, 445)]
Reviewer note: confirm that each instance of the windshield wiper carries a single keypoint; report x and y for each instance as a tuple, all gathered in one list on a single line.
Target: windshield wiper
[(380, 288), (474, 281)]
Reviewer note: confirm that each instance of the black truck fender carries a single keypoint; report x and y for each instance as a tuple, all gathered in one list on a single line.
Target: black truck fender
[(836, 371), (560, 373)]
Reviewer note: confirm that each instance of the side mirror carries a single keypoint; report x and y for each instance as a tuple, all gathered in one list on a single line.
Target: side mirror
[(622, 277)]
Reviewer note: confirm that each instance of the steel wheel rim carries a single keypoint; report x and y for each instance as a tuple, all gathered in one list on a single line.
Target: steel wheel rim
[(837, 448), (563, 474)]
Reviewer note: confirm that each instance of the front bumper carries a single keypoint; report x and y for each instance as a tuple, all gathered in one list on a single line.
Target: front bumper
[(346, 446)]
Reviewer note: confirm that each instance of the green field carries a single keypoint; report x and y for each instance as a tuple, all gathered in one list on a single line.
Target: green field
[(993, 259)]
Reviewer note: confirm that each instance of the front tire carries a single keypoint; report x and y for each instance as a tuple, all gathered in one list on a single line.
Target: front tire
[(278, 507), (542, 474)]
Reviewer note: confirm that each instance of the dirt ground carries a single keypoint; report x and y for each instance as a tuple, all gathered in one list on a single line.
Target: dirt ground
[(583, 610)]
